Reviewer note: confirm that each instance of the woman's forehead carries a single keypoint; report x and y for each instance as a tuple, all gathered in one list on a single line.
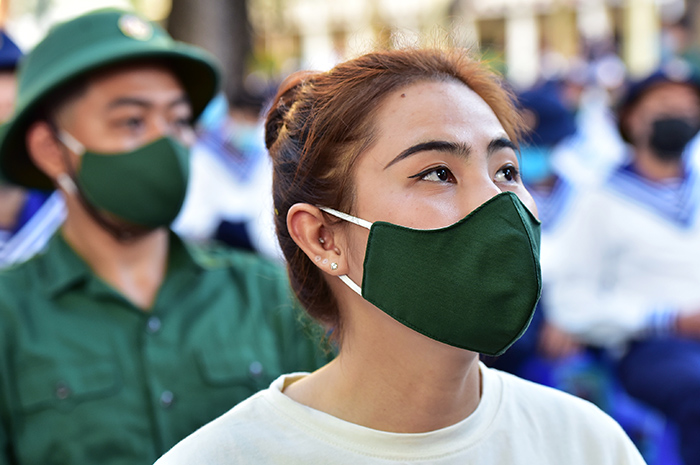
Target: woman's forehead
[(429, 109)]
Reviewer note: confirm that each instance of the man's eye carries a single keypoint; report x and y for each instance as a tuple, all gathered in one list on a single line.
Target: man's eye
[(439, 174), (183, 123), (508, 173), (133, 123)]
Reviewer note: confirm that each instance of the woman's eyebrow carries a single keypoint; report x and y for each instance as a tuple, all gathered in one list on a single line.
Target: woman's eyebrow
[(458, 148), (500, 143)]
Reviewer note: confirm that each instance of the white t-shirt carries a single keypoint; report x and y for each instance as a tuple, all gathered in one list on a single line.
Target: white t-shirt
[(516, 422)]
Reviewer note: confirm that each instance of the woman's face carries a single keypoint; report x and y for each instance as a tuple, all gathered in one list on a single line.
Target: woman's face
[(439, 153)]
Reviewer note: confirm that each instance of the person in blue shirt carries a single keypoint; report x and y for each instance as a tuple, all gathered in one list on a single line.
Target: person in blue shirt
[(28, 217)]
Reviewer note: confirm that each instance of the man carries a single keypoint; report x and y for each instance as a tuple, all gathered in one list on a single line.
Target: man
[(120, 340), (27, 218), (628, 277)]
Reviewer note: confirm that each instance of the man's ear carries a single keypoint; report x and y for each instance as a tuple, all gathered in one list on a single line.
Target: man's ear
[(320, 241), (44, 150)]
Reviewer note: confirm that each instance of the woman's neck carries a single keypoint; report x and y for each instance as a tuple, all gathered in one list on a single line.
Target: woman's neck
[(391, 378)]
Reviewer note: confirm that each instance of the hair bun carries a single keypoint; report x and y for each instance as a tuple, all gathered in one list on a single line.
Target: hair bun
[(282, 104)]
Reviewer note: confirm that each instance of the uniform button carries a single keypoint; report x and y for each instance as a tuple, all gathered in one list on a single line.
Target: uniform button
[(166, 399), (62, 390), (255, 369), (153, 324)]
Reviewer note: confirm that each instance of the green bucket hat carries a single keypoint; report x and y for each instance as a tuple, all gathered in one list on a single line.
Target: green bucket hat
[(85, 44)]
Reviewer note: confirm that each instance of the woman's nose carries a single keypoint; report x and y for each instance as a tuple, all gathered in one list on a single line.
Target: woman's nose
[(482, 191)]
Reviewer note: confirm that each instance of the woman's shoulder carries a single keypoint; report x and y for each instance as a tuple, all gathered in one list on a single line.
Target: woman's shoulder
[(216, 442), (249, 428), (562, 421), (520, 395)]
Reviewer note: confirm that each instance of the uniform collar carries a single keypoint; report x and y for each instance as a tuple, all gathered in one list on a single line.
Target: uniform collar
[(675, 200), (64, 269)]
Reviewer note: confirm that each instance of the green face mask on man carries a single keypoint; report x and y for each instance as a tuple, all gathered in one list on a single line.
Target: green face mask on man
[(145, 187)]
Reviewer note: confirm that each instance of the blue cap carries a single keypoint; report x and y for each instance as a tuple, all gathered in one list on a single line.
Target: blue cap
[(9, 52), (553, 120), (676, 71)]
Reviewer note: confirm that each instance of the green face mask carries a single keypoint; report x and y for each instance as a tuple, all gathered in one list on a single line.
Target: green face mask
[(145, 187), (473, 284)]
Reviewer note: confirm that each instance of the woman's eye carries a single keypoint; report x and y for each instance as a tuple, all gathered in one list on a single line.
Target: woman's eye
[(439, 174), (508, 173)]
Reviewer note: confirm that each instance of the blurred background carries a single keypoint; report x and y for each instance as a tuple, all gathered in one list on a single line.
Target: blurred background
[(260, 40), (569, 62)]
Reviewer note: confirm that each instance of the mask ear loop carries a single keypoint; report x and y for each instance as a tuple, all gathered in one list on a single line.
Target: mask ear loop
[(349, 218), (70, 142), (354, 220), (351, 284)]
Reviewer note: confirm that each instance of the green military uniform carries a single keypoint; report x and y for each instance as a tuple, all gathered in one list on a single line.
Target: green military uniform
[(85, 376), (88, 378)]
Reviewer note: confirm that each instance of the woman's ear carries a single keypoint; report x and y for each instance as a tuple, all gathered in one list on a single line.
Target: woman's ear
[(320, 242)]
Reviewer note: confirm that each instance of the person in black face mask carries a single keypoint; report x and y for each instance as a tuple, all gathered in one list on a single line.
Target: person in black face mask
[(658, 116), (628, 278)]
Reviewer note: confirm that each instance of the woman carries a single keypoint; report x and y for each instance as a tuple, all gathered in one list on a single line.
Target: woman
[(417, 146)]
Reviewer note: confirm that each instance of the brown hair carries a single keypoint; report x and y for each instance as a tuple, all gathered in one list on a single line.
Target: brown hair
[(319, 123)]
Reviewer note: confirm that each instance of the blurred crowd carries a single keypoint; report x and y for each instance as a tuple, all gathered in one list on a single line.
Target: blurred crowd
[(612, 162)]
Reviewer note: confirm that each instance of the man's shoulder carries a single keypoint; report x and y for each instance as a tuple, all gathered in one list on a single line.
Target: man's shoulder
[(18, 284), (217, 256), (21, 276), (242, 269)]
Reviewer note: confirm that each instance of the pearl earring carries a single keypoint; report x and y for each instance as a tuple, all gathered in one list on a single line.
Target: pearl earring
[(321, 240)]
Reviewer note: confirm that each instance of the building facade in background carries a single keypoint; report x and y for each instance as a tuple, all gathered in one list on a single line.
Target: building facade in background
[(530, 37), (527, 39)]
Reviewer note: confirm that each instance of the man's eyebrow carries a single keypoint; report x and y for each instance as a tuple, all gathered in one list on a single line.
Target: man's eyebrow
[(458, 148), (181, 100), (129, 101)]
